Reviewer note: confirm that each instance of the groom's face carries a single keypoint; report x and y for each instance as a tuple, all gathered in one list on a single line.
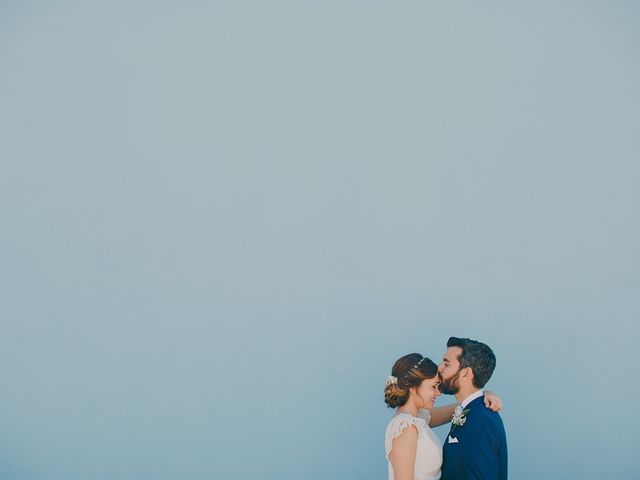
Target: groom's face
[(449, 371)]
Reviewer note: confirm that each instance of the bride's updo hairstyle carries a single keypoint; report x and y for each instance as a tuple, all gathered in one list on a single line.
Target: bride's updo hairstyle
[(408, 371)]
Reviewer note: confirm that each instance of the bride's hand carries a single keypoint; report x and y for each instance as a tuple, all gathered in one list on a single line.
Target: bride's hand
[(492, 401)]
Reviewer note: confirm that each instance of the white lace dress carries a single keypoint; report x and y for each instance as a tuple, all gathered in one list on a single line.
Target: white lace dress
[(429, 453)]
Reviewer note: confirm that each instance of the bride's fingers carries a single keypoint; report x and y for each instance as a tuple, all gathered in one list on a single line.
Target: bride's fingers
[(493, 404)]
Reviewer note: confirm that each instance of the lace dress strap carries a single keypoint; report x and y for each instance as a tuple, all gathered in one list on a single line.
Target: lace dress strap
[(397, 425)]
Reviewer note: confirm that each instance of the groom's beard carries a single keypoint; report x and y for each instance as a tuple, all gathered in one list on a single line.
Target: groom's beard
[(450, 386)]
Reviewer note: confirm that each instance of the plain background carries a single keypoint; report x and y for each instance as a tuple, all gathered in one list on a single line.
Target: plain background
[(222, 222)]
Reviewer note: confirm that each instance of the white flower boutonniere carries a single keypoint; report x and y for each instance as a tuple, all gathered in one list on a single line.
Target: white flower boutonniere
[(459, 416)]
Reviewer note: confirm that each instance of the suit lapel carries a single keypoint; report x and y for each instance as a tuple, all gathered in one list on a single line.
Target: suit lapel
[(475, 404)]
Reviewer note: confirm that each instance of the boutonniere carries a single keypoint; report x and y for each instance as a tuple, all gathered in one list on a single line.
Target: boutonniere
[(459, 416)]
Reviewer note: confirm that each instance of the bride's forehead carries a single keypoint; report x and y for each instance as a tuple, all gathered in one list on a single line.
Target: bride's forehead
[(431, 381)]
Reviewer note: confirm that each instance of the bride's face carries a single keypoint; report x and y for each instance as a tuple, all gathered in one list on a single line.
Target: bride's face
[(428, 391)]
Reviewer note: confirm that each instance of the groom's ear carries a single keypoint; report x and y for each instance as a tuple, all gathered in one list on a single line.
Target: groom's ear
[(467, 372)]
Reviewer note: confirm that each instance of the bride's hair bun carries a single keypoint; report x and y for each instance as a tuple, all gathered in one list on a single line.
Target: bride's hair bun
[(410, 371), (394, 396)]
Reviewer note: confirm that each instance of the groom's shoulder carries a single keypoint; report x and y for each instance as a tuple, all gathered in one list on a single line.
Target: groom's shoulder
[(486, 416), (492, 422), (487, 424), (479, 408)]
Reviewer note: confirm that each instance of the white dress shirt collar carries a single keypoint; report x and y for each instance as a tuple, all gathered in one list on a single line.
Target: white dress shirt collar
[(471, 398)]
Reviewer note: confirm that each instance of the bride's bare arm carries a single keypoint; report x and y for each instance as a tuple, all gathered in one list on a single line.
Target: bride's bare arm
[(403, 454), (442, 415), (492, 401)]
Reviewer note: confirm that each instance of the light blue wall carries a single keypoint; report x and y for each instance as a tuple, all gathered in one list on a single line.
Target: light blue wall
[(223, 221)]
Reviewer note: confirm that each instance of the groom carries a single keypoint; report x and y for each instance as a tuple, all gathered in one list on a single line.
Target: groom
[(476, 447)]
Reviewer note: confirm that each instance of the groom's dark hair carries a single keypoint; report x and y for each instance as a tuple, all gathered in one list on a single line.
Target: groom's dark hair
[(477, 356)]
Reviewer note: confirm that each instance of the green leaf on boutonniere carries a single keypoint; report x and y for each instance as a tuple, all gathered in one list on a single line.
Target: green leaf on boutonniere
[(459, 417)]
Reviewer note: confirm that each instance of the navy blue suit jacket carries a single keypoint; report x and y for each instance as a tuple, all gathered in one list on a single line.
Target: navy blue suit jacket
[(480, 452)]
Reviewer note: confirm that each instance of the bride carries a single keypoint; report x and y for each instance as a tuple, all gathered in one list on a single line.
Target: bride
[(416, 453)]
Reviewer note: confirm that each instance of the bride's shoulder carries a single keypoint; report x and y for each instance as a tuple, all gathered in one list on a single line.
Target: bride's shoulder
[(401, 421)]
